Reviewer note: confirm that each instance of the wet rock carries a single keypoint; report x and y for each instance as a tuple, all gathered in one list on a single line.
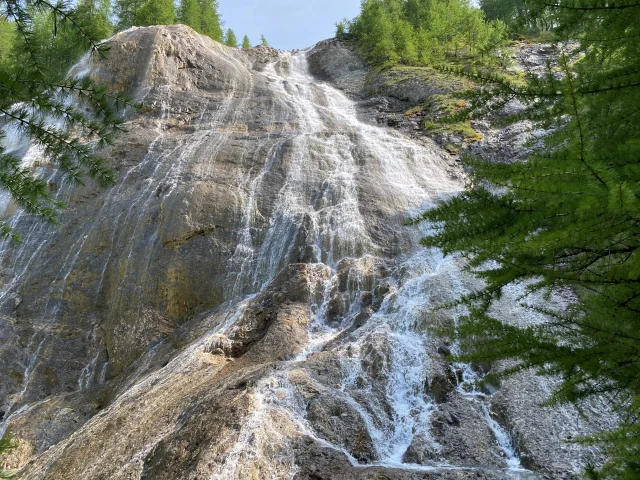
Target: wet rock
[(316, 462), (356, 278), (440, 388), (280, 314), (441, 382), (540, 432), (366, 299), (362, 317), (304, 250), (444, 350), (188, 324), (421, 451), (376, 355), (336, 421), (337, 62), (463, 434)]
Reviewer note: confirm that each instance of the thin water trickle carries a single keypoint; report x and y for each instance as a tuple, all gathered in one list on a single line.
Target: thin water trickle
[(319, 209), (33, 349)]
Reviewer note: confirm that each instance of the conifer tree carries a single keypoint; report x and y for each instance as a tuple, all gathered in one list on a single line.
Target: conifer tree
[(422, 31), (8, 38), (210, 20), (190, 14), (58, 52), (418, 12), (126, 11), (230, 39), (263, 41), (245, 42), (94, 16), (374, 29), (565, 221), (504, 10), (156, 12), (341, 29), (68, 118)]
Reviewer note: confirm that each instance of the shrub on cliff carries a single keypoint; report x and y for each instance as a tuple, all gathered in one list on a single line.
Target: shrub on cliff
[(6, 445)]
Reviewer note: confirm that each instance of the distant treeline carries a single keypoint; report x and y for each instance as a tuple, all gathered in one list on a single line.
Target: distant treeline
[(419, 32), (58, 46), (422, 32)]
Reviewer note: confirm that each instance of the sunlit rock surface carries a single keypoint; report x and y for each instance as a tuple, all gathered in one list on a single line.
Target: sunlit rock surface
[(246, 303)]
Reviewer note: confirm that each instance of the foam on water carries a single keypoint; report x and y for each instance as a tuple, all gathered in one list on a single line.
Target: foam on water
[(389, 351)]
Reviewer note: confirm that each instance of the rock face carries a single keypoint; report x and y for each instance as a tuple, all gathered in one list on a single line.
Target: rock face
[(246, 303)]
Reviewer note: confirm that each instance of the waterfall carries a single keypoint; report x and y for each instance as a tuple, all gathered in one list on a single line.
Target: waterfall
[(329, 126), (250, 273)]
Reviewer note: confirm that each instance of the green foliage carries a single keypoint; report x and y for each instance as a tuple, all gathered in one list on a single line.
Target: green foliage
[(156, 12), (437, 112), (95, 17), (520, 15), (56, 44), (190, 14), (230, 39), (6, 445), (246, 43), (445, 105), (126, 11), (505, 10), (567, 220), (202, 16), (210, 20), (341, 29), (263, 41), (70, 119), (8, 39), (418, 32)]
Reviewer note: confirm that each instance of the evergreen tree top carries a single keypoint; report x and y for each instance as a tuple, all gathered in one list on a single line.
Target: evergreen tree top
[(156, 12), (69, 118), (230, 39)]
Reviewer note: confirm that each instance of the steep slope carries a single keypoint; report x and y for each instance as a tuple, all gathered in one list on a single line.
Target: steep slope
[(246, 303)]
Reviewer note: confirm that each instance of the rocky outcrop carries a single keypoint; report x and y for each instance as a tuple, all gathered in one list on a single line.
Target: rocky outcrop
[(545, 435), (339, 63), (246, 302)]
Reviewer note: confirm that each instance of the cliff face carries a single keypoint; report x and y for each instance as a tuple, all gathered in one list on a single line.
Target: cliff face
[(246, 302)]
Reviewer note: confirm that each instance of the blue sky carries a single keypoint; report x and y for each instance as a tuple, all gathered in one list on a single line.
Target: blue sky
[(287, 24)]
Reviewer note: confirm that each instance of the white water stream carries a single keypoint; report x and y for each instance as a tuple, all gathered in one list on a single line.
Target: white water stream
[(340, 232), (384, 363)]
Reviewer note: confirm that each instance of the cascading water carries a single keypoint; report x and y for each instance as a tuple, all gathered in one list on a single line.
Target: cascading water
[(247, 292), (339, 233)]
